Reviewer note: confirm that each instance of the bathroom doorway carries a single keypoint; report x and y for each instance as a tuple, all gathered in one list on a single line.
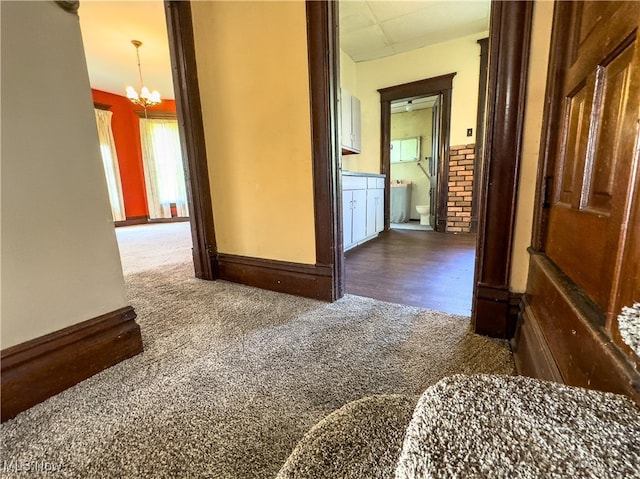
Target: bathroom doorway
[(414, 159), (428, 138)]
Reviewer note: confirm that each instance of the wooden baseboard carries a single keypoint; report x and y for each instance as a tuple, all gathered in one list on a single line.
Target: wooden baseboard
[(311, 281), (175, 219), (40, 368), (560, 336), (132, 220), (531, 351)]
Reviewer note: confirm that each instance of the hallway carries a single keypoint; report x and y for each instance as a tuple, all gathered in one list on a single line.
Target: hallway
[(420, 268)]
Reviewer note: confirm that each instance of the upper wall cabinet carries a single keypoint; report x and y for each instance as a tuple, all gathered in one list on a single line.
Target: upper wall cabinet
[(405, 150), (350, 106)]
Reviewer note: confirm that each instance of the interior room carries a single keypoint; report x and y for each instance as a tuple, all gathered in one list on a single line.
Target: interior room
[(250, 357), (138, 134), (415, 251)]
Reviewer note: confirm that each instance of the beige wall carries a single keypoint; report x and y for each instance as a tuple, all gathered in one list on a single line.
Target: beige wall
[(409, 125), (540, 38), (60, 262), (461, 55), (254, 85)]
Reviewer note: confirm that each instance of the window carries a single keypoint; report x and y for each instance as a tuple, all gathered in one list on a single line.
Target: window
[(163, 168)]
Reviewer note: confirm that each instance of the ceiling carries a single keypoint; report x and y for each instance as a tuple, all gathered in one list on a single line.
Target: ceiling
[(107, 30), (374, 29), (368, 29)]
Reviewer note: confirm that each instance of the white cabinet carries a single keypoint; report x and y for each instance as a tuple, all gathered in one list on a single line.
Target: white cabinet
[(362, 208), (405, 150), (375, 211), (354, 216), (350, 109)]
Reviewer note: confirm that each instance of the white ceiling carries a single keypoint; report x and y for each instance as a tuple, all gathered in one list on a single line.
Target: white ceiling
[(374, 29), (368, 29)]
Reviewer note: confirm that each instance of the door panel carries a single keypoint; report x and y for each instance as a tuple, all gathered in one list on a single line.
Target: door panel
[(596, 150)]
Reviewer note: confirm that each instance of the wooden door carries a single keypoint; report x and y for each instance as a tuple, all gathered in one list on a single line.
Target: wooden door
[(587, 266)]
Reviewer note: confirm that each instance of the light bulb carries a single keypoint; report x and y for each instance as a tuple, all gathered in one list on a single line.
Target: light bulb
[(131, 93), (144, 93), (155, 97)]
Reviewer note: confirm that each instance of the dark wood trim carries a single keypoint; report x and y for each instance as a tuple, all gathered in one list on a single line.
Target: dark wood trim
[(425, 87), (312, 281), (156, 115), (510, 35), (531, 352), (189, 114), (101, 106), (132, 220), (175, 219), (565, 330), (40, 368), (323, 47), (480, 121), (441, 85)]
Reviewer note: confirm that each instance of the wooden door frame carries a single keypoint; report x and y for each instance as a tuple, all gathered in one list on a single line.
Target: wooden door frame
[(509, 47), (191, 127), (442, 86)]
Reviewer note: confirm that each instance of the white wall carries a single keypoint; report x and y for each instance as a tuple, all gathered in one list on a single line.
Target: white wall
[(536, 85), (60, 262), (461, 56)]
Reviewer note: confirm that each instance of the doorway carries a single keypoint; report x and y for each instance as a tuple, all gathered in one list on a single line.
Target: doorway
[(140, 143), (414, 158)]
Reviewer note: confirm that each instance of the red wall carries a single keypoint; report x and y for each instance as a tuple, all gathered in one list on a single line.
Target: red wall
[(126, 133)]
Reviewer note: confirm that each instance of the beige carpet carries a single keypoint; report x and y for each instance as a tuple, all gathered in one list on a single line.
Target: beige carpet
[(151, 246), (232, 377)]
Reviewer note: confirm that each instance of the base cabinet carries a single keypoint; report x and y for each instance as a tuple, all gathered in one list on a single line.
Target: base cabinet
[(362, 208)]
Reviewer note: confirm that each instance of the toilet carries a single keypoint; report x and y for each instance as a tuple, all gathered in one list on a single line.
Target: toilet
[(423, 211)]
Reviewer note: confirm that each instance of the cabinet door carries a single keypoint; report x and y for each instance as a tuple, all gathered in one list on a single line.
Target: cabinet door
[(355, 124), (396, 146), (375, 211), (359, 223), (372, 201), (409, 149), (379, 210), (347, 216), (345, 109)]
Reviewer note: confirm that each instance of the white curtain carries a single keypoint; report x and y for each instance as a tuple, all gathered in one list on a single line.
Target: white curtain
[(163, 169), (110, 163)]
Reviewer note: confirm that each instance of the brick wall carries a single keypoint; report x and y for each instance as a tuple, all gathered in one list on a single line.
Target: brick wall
[(460, 188)]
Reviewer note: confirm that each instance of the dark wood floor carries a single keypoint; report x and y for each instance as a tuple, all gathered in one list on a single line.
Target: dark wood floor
[(419, 268)]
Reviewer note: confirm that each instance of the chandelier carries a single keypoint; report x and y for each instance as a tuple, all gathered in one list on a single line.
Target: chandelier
[(145, 98)]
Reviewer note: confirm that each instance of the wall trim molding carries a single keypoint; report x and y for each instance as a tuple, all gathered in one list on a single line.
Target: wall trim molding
[(42, 367), (510, 38), (132, 220), (322, 47), (191, 127), (311, 281), (156, 115)]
